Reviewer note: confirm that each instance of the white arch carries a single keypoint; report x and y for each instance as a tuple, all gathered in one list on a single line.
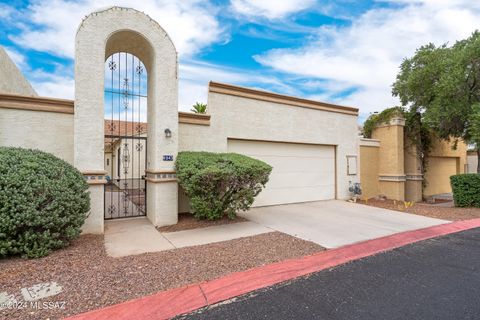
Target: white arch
[(99, 35)]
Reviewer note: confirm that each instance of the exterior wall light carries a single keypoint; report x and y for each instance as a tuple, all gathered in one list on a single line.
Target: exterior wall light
[(168, 133)]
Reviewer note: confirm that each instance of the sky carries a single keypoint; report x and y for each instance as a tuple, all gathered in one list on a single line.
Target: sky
[(345, 52)]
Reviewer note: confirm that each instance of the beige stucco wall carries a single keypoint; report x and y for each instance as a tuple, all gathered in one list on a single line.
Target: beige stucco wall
[(443, 148), (369, 157), (391, 164), (47, 131), (444, 161), (12, 80)]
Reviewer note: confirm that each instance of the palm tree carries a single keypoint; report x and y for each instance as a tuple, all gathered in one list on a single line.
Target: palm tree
[(199, 108)]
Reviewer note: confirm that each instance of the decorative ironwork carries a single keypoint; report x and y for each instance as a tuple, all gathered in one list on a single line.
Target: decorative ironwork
[(112, 65), (112, 210), (126, 158), (126, 98), (111, 126), (125, 192)]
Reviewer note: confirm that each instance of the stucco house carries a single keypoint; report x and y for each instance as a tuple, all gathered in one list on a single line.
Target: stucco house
[(123, 131), (129, 162)]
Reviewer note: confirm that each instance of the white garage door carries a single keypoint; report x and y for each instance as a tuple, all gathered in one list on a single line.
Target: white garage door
[(301, 172)]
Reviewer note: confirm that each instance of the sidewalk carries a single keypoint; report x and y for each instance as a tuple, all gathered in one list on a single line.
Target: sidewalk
[(137, 235)]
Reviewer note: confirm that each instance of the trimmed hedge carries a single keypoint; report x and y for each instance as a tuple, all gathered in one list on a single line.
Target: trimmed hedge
[(44, 202), (220, 184), (466, 189)]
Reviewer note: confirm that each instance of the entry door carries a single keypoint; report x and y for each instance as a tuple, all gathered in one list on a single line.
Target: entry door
[(301, 172)]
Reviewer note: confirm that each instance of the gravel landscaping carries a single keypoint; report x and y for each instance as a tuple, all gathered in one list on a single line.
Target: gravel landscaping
[(91, 280), (428, 210), (186, 221)]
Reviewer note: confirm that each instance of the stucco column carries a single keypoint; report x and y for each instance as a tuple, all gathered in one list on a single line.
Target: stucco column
[(391, 158), (413, 173)]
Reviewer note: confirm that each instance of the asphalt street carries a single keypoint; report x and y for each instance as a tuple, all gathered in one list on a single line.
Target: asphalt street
[(436, 279)]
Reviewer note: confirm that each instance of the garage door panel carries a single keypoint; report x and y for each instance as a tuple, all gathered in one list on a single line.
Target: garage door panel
[(301, 172), (301, 164), (298, 179), (288, 195), (263, 148)]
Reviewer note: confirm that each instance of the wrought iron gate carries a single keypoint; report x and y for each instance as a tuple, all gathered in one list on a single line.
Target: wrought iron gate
[(125, 136)]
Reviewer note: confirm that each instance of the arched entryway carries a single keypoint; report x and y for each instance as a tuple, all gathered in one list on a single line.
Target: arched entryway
[(100, 36), (126, 95)]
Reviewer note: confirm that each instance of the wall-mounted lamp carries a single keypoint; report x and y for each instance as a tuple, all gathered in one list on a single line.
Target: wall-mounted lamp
[(168, 133)]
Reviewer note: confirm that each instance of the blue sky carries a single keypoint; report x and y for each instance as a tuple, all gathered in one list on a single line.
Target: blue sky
[(344, 52)]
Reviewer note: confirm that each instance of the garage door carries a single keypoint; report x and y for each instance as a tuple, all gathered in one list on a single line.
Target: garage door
[(439, 170), (301, 172)]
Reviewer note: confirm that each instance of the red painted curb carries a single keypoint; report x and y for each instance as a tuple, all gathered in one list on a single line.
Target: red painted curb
[(170, 303)]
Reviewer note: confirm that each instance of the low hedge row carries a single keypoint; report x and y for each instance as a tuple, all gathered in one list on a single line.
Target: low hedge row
[(466, 189), (220, 184), (43, 202)]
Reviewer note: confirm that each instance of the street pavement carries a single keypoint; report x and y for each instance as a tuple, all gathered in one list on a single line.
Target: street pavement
[(436, 279)]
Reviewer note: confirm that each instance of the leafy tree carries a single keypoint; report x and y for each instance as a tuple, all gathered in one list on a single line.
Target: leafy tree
[(199, 108), (443, 85)]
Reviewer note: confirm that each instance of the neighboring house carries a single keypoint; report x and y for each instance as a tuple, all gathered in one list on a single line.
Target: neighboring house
[(472, 161), (390, 166)]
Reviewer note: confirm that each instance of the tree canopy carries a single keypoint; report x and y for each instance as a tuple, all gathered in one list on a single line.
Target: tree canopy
[(443, 85)]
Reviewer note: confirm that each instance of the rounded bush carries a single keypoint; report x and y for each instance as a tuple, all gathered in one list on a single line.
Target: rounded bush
[(43, 202), (220, 184)]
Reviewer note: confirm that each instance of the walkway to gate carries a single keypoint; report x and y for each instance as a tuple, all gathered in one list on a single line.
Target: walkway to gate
[(137, 235)]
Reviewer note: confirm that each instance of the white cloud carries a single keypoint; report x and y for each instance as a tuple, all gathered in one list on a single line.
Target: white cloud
[(271, 9), (5, 11), (191, 24), (194, 77), (57, 84), (367, 53)]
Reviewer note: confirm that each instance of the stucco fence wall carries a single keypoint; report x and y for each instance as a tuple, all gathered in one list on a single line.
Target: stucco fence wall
[(37, 123), (390, 165), (369, 157)]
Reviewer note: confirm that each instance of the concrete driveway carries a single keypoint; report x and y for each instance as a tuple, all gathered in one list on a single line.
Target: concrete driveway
[(336, 223)]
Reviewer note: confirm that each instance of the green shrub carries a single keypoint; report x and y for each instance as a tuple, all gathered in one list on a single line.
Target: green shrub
[(220, 184), (44, 202), (466, 190)]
